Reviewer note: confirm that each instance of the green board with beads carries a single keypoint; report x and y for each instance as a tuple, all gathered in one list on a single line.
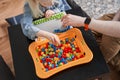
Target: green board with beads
[(50, 59), (51, 24)]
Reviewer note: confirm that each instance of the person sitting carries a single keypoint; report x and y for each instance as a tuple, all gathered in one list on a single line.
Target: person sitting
[(34, 9), (110, 44)]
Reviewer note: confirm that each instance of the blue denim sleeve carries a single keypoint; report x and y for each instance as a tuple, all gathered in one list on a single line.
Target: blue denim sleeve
[(62, 6), (28, 28)]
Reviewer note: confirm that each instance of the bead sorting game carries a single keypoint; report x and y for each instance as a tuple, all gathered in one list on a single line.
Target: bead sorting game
[(50, 59), (52, 24)]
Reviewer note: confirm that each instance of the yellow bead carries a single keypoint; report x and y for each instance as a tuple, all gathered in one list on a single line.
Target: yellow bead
[(68, 55), (42, 53), (50, 53), (62, 48), (56, 59)]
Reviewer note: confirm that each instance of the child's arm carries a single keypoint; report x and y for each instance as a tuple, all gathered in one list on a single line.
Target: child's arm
[(28, 28), (50, 36), (31, 31)]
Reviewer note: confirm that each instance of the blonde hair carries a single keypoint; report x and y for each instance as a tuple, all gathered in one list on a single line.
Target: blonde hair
[(34, 6)]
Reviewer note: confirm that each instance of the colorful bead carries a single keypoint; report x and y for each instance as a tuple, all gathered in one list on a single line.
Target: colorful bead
[(53, 56)]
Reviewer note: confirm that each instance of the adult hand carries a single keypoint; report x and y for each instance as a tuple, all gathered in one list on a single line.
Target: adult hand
[(72, 20), (49, 13), (50, 36)]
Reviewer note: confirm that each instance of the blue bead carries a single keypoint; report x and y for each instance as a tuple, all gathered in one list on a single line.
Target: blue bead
[(52, 65), (43, 49), (57, 31), (73, 39), (46, 69), (49, 63), (62, 60), (58, 62), (66, 39), (72, 56), (72, 46), (56, 65), (59, 56), (68, 27), (43, 59)]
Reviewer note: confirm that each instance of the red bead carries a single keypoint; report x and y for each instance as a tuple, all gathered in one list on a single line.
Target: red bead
[(39, 53), (41, 61), (67, 42), (81, 56), (56, 54), (52, 56), (60, 45), (64, 56), (39, 46), (47, 45), (48, 60), (77, 50), (48, 67)]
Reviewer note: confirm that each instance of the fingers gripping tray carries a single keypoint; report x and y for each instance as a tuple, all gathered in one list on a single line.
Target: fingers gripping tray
[(50, 59)]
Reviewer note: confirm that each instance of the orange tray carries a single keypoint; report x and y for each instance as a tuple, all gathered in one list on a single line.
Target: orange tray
[(50, 59)]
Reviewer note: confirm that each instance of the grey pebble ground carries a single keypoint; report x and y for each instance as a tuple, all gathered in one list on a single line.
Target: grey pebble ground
[(97, 8)]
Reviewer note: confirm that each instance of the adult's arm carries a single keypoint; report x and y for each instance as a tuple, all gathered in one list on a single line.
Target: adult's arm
[(117, 16), (110, 28)]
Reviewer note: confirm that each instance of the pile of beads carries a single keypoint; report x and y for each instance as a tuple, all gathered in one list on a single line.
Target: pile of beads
[(52, 56)]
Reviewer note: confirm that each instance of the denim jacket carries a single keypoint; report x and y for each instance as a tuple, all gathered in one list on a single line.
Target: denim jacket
[(28, 27)]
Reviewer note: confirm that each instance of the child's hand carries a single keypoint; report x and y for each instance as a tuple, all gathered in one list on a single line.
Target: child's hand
[(49, 13), (50, 36)]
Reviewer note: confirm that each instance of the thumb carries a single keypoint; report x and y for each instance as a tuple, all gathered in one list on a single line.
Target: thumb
[(56, 41)]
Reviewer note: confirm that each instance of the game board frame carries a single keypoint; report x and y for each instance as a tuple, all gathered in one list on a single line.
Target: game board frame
[(40, 70)]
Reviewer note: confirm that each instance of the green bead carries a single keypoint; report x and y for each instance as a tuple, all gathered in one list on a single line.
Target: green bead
[(60, 64), (47, 52)]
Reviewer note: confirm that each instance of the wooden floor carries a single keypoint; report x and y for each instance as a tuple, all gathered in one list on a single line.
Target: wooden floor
[(8, 8), (5, 49)]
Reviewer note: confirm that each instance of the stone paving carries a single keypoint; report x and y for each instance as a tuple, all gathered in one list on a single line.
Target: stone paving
[(96, 8)]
